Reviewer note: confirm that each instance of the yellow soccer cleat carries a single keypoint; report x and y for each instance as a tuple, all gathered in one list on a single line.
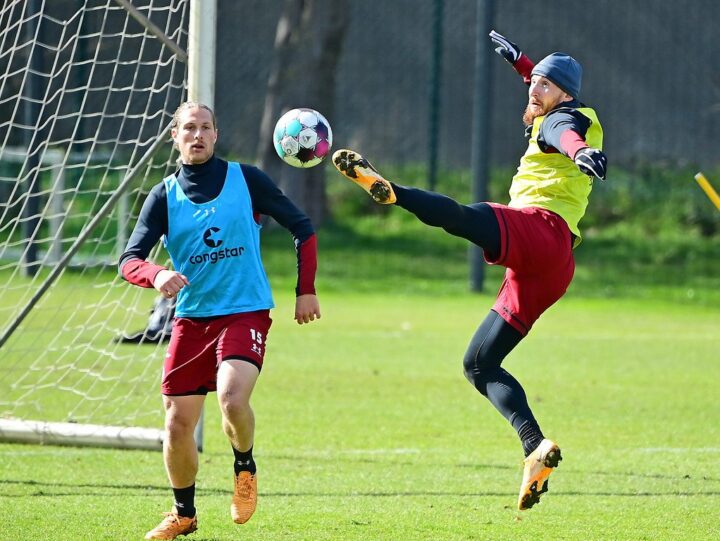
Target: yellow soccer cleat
[(172, 526), (538, 466), (353, 166), (244, 497)]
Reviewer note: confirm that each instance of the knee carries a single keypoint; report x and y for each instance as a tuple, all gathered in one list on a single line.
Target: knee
[(476, 368), (472, 364), (233, 404), (178, 427)]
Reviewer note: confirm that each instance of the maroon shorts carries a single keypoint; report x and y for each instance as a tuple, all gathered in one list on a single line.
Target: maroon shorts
[(198, 346), (536, 248)]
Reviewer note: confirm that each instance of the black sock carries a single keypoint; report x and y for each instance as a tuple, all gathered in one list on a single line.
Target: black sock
[(530, 435), (244, 461), (185, 501)]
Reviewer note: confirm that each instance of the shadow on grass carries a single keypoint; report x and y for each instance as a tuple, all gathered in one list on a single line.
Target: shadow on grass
[(122, 490), (50, 489)]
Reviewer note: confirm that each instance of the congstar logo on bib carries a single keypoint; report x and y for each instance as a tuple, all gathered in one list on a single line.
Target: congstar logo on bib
[(211, 239), (208, 237)]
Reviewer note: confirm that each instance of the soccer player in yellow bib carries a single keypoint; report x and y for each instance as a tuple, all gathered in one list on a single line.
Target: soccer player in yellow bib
[(533, 236)]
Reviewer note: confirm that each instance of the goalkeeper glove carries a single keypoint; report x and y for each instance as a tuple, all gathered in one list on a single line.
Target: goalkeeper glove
[(592, 162), (506, 48)]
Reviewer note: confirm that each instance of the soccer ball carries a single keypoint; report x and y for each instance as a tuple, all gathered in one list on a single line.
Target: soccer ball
[(302, 137)]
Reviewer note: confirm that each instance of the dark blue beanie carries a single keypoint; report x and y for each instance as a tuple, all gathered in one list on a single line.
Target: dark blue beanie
[(563, 70)]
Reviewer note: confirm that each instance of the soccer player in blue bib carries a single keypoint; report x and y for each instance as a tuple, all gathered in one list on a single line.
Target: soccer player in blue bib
[(208, 216), (533, 236)]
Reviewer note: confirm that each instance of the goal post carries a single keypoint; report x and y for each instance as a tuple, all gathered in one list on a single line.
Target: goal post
[(87, 93), (19, 431), (201, 88)]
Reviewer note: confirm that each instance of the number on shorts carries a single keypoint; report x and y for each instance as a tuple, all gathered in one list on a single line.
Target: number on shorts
[(257, 336)]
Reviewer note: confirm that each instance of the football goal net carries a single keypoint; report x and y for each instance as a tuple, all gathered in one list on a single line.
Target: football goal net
[(87, 93)]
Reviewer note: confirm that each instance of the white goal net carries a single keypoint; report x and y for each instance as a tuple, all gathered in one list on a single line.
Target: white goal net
[(87, 92)]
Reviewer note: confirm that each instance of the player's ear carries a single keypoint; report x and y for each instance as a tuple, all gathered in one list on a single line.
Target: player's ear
[(173, 134)]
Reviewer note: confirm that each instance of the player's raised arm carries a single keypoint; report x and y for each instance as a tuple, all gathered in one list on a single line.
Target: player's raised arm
[(512, 54)]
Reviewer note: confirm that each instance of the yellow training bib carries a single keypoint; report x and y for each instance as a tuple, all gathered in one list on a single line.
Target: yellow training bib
[(552, 181)]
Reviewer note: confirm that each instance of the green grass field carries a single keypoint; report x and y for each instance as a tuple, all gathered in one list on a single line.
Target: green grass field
[(366, 429)]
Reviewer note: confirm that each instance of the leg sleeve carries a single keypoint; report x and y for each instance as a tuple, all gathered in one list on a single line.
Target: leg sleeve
[(494, 339), (476, 223)]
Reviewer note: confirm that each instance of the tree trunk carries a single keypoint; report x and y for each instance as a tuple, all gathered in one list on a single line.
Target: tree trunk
[(308, 44)]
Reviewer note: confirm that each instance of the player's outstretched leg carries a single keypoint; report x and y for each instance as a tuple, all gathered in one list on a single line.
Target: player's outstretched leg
[(244, 498), (172, 526), (353, 166), (538, 466)]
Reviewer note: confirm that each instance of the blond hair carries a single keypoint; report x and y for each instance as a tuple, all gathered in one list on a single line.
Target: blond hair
[(191, 105)]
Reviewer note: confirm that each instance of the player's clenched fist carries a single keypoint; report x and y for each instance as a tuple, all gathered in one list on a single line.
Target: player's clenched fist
[(168, 283), (592, 162), (307, 308)]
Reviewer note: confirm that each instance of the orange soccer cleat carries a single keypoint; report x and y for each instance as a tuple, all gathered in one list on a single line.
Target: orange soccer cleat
[(172, 526), (538, 466), (353, 166), (244, 497)]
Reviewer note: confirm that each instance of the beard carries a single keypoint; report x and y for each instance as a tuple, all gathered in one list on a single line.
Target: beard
[(531, 113)]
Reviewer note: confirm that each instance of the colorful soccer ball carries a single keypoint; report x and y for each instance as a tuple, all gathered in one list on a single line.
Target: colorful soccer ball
[(302, 137)]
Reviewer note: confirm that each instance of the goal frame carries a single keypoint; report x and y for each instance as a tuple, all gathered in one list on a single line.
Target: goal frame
[(200, 83)]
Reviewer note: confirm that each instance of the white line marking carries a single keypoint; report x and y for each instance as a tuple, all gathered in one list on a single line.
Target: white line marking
[(680, 450)]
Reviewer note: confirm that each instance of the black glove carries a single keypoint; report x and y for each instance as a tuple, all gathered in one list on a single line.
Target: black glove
[(507, 49), (592, 162)]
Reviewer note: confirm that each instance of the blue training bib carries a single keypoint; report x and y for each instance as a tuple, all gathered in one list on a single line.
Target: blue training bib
[(217, 246)]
